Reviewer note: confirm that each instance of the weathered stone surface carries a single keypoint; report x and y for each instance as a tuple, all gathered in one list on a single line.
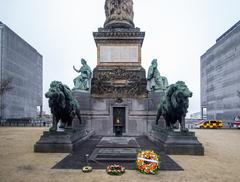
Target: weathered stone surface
[(114, 82), (97, 114), (114, 154), (119, 13), (77, 159), (154, 100), (119, 72), (119, 36), (119, 54), (61, 142), (176, 142), (118, 142), (116, 149), (83, 98)]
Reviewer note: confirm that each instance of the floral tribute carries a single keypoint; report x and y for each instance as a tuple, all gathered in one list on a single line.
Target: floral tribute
[(115, 169), (147, 162), (87, 169)]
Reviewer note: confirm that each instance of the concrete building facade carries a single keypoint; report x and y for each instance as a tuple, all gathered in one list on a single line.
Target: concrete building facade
[(220, 77), (23, 64)]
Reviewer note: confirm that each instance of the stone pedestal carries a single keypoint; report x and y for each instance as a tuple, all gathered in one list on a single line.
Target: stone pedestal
[(154, 99), (119, 73), (64, 142), (119, 82), (98, 113), (61, 142), (116, 149), (176, 142), (100, 116)]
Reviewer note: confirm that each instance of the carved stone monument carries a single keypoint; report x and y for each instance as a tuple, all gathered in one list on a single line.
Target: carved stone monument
[(119, 13), (119, 72), (173, 107), (121, 101), (117, 103), (64, 108)]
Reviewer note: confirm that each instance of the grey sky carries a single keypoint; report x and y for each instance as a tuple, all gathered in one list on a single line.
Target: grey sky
[(178, 32)]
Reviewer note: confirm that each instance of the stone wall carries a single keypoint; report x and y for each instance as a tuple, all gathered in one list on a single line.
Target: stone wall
[(97, 113)]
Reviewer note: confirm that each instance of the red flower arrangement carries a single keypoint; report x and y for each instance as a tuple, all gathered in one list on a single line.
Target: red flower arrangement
[(115, 169)]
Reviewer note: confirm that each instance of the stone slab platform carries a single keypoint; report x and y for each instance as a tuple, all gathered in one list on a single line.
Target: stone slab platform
[(76, 160), (61, 142), (176, 142), (114, 154), (118, 142)]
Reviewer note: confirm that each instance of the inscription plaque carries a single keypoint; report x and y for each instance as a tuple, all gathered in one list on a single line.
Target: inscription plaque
[(118, 54)]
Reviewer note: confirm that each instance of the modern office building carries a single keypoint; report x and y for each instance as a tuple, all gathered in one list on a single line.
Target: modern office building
[(22, 64), (220, 77)]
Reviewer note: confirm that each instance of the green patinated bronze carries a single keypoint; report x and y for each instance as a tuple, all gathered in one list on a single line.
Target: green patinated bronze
[(83, 81), (63, 105), (154, 80), (173, 107)]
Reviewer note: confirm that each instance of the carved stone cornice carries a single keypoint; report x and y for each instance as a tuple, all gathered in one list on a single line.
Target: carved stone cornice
[(120, 35)]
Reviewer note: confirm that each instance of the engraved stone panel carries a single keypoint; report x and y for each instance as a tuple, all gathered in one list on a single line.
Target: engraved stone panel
[(118, 54), (118, 142)]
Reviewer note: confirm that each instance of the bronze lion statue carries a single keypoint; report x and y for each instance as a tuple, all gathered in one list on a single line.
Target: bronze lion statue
[(173, 107), (63, 105)]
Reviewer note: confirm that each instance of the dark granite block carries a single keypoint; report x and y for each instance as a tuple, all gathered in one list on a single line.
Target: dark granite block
[(61, 142), (118, 142), (176, 142), (76, 160)]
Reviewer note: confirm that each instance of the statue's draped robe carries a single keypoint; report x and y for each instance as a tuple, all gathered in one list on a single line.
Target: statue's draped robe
[(83, 81), (154, 80)]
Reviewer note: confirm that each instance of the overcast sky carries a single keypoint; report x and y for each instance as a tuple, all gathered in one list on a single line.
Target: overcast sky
[(178, 32)]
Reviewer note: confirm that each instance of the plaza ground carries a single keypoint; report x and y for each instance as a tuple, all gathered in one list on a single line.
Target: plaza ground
[(18, 162)]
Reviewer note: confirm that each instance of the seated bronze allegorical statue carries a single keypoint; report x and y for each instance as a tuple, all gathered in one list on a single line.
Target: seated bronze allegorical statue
[(83, 81), (154, 80)]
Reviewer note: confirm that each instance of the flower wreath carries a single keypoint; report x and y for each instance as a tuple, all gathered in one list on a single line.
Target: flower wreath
[(115, 169), (147, 162), (87, 169)]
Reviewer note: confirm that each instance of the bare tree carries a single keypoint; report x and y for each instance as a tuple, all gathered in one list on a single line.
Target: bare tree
[(5, 86)]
